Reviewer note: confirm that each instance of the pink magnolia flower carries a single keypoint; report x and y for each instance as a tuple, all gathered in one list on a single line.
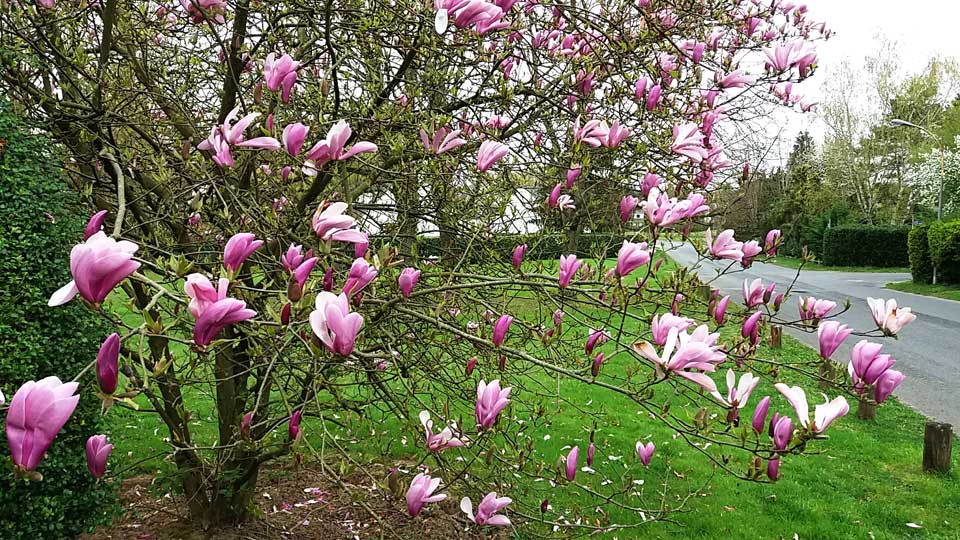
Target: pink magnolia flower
[(645, 452), (334, 324), (688, 142), (97, 265), (692, 206), (594, 133), (421, 492), (202, 293), (36, 414), (649, 182), (280, 73), (471, 365), (519, 253), (332, 148), (813, 309), (782, 432), (565, 202), (361, 274), (500, 329), (94, 225), (824, 414), (724, 246), (489, 153), (616, 135), (753, 292), (302, 272), (219, 148), (888, 317), (653, 97), (661, 324), (627, 205), (719, 314), (293, 257), (442, 141), (293, 425), (640, 87), (246, 423), (570, 467), (218, 316), (735, 79), (867, 364), (487, 510), (197, 10), (491, 400), (831, 335), (886, 384), (553, 200), (631, 256), (750, 250), (737, 394), (485, 16), (597, 337), (568, 268), (293, 137), (572, 174), (408, 280), (331, 223), (97, 453), (760, 414), (438, 441), (238, 248), (683, 352), (751, 328), (108, 364), (771, 242)]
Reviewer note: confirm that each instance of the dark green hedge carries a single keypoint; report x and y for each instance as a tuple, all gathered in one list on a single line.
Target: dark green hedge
[(37, 341), (944, 241), (865, 245), (920, 265)]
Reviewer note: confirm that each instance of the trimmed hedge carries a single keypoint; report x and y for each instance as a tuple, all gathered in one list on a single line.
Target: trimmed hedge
[(943, 238), (920, 265), (865, 245), (37, 229)]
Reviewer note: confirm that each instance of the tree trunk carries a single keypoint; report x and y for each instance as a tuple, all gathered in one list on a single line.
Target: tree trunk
[(232, 504), (937, 443), (866, 410)]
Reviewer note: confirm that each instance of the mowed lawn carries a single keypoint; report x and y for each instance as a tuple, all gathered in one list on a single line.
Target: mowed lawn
[(949, 292), (815, 266), (864, 482)]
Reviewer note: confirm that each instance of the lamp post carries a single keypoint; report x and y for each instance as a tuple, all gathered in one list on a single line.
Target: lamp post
[(896, 122)]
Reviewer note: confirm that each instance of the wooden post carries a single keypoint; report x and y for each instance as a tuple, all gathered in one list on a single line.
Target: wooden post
[(937, 440), (866, 410), (776, 335)]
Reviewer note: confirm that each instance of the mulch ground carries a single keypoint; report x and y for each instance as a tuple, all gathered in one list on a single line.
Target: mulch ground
[(294, 504)]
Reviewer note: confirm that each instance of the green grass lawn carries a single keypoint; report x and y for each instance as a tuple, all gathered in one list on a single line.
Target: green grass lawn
[(864, 482), (795, 262), (950, 292)]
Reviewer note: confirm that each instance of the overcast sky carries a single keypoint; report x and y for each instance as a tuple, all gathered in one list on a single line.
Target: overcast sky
[(921, 28)]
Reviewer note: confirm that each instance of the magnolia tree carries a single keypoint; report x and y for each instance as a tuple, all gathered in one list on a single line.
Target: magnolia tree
[(267, 173)]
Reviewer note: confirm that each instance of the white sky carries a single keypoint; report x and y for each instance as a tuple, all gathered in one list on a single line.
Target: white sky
[(921, 28)]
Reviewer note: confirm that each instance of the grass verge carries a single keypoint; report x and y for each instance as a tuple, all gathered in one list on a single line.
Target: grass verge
[(795, 262), (950, 292)]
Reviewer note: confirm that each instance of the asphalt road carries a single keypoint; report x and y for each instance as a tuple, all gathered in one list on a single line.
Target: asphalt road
[(927, 351)]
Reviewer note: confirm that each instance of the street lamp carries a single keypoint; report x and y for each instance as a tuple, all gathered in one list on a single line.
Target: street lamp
[(896, 122)]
